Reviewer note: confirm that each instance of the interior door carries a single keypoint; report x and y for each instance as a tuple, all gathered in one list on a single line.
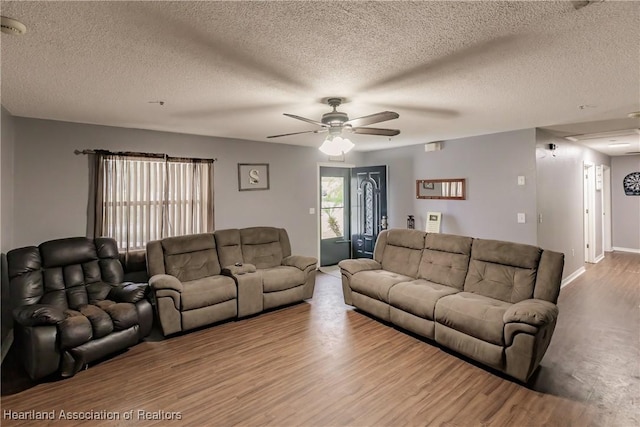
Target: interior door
[(335, 244), (369, 205)]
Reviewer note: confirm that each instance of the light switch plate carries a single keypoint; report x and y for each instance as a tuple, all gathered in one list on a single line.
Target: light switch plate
[(521, 180), (312, 211), (521, 218)]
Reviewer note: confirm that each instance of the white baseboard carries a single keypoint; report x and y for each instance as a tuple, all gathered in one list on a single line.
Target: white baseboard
[(6, 345), (635, 251), (573, 276), (598, 259)]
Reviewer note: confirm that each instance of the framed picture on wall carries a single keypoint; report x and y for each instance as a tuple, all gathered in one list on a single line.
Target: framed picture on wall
[(253, 176)]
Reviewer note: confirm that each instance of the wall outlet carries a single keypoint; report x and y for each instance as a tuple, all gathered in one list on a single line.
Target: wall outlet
[(540, 218), (521, 180), (312, 211), (521, 218)]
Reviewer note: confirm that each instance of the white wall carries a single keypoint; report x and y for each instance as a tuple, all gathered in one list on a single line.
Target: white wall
[(560, 198), (7, 144), (51, 182), (625, 209), (490, 164), (6, 180)]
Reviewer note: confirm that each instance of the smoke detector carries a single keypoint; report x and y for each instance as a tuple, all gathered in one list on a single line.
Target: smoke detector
[(11, 26)]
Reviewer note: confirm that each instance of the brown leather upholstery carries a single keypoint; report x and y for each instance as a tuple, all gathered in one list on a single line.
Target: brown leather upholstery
[(71, 305)]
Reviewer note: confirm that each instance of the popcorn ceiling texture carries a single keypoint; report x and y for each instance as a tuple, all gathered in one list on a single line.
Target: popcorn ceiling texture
[(230, 69)]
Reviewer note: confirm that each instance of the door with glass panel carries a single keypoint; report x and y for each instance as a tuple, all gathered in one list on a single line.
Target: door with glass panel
[(335, 244)]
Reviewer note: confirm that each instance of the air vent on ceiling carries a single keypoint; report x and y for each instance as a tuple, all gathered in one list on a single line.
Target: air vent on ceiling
[(11, 26), (601, 135)]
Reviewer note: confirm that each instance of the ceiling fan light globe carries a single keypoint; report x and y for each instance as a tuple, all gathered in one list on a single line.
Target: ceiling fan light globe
[(330, 148), (346, 145)]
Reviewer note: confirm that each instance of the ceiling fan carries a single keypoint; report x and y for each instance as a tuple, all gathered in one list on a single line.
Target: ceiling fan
[(335, 122)]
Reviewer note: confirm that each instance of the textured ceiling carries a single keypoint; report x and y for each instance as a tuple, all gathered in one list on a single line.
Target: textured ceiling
[(230, 69)]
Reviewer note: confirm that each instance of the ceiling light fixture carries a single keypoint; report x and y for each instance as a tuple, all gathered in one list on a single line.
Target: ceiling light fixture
[(336, 145), (11, 26), (619, 144)]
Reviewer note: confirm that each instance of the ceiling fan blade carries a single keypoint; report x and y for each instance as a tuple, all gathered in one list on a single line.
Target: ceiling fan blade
[(298, 133), (376, 131), (373, 118), (313, 122)]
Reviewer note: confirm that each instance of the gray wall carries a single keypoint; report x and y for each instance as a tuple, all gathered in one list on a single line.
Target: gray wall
[(490, 164), (7, 145), (625, 209), (560, 198), (52, 183)]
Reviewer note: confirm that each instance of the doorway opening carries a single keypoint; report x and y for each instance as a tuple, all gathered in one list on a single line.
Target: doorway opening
[(335, 213), (589, 211)]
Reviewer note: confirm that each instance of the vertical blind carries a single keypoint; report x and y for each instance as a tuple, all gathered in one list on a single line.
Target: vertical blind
[(144, 199)]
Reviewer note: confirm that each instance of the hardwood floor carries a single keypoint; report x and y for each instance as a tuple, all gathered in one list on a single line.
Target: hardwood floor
[(322, 363)]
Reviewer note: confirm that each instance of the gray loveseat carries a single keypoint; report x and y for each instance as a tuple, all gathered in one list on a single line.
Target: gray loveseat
[(492, 301), (204, 278)]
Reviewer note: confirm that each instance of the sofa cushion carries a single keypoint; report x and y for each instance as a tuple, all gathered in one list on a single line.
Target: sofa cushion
[(207, 291), (402, 251), (281, 278), (445, 259), (377, 283), (193, 265), (502, 270), (261, 246), (101, 323), (472, 314), (418, 297), (229, 246), (123, 314)]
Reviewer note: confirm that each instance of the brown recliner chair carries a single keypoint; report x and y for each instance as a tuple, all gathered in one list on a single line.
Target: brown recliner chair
[(71, 305)]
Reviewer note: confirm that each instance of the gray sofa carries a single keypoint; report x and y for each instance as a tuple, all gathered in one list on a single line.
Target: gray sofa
[(201, 279), (492, 301)]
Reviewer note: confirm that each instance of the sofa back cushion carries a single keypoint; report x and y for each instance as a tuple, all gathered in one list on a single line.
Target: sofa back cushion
[(262, 246), (66, 273), (191, 257), (229, 246), (400, 250), (445, 259), (502, 270)]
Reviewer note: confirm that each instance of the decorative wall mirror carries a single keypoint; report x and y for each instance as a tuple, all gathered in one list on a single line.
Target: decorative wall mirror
[(447, 189)]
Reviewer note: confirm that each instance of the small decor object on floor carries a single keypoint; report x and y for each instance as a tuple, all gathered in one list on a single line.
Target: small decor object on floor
[(411, 222), (631, 184), (253, 176)]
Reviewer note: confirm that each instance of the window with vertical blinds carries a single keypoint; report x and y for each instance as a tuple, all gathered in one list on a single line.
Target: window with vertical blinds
[(144, 198)]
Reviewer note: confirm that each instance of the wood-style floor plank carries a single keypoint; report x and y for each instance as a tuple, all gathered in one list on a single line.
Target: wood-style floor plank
[(321, 363)]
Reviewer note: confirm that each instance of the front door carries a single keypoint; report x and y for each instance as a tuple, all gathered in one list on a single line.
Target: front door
[(369, 204), (334, 215)]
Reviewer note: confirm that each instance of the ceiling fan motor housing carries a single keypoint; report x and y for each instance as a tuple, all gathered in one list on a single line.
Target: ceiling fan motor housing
[(334, 118)]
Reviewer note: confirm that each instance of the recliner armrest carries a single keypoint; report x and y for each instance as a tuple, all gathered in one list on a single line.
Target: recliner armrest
[(236, 270), (38, 314), (535, 312), (165, 281), (299, 261), (128, 292), (353, 266)]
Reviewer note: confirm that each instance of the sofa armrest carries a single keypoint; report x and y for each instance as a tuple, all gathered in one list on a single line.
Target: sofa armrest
[(128, 292), (353, 266), (38, 314), (236, 270), (534, 312), (300, 262), (165, 281)]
